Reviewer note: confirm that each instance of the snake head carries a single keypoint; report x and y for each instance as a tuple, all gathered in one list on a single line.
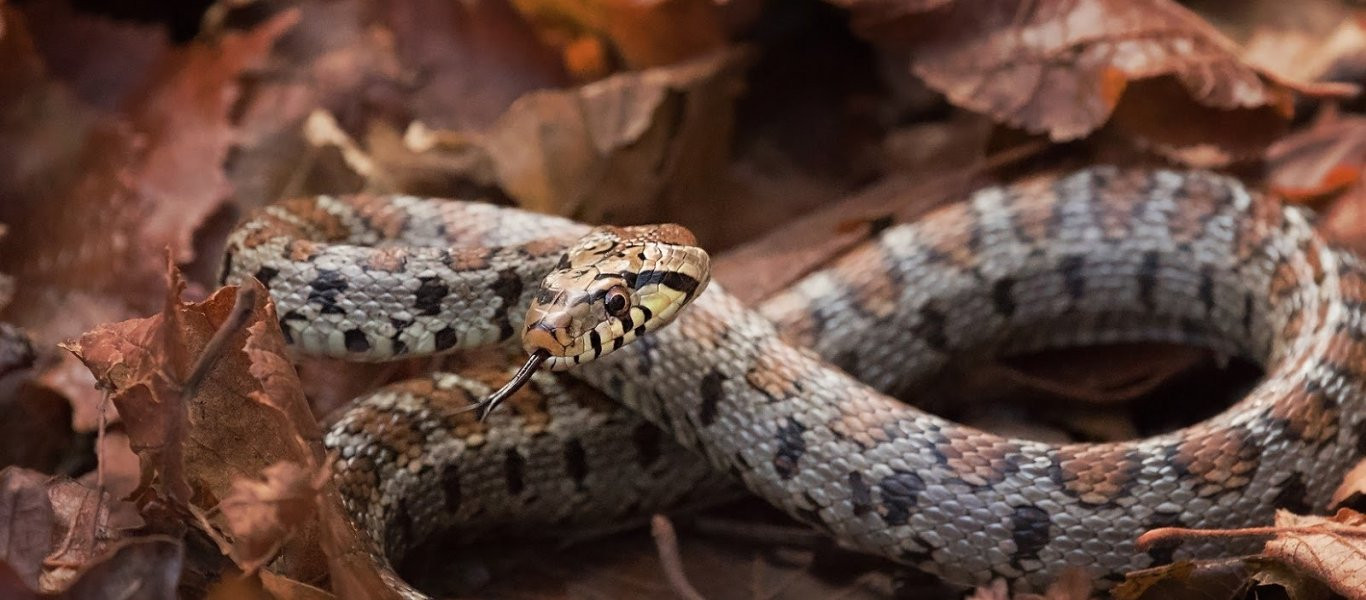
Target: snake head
[(612, 286)]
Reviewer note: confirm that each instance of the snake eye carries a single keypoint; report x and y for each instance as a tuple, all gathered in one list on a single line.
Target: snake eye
[(618, 304)]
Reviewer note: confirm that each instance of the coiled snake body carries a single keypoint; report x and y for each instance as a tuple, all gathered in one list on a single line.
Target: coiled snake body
[(1103, 255)]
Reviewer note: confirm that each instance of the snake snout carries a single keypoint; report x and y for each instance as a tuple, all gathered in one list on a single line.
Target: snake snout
[(548, 331)]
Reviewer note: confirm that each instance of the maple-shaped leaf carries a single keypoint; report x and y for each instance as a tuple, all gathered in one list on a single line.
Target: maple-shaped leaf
[(206, 395)]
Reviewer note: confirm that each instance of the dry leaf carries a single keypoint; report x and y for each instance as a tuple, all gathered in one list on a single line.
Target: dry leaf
[(1332, 549), (1062, 68), (203, 423), (29, 522), (147, 567), (262, 515), (1319, 161)]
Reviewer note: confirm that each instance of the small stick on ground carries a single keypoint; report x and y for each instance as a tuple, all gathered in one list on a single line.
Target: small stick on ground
[(666, 543), (1165, 534), (241, 311)]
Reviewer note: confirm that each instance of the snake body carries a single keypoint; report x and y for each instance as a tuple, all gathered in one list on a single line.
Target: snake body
[(1099, 256)]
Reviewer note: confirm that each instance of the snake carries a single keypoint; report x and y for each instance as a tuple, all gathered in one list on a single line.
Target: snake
[(797, 399)]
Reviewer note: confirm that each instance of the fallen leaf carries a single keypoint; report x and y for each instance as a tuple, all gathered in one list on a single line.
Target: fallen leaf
[(146, 567), (1320, 161), (262, 515), (1064, 68), (208, 400), (596, 151), (29, 522), (1332, 549), (114, 59)]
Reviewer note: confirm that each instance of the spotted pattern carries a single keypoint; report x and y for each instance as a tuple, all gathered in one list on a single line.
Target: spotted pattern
[(1100, 256)]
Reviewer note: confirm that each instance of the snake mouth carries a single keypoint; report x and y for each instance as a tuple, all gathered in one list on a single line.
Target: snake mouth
[(486, 406)]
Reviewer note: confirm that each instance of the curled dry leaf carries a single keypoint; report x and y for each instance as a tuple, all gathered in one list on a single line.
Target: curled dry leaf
[(1063, 68)]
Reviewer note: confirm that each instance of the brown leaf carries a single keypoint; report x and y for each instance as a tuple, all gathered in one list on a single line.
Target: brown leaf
[(150, 565), (1303, 41), (1324, 159), (113, 60), (88, 520), (595, 151), (206, 397), (1332, 549), (183, 117), (1062, 68), (29, 521), (1226, 579), (262, 515)]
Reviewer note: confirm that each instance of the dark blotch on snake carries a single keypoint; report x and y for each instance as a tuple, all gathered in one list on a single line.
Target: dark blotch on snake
[(1207, 290), (931, 328), (862, 495), (1030, 529), (326, 286), (576, 462), (227, 268), (356, 341), (791, 447), (450, 487), (1147, 279), (445, 339), (1003, 296), (710, 389), (514, 471), (429, 296), (1072, 277), (508, 287), (899, 492), (265, 274)]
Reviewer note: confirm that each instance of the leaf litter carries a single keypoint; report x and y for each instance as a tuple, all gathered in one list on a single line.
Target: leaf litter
[(179, 452)]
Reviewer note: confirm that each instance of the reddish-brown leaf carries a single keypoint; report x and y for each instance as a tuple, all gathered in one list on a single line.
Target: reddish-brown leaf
[(207, 399), (262, 515), (1322, 160), (1063, 68)]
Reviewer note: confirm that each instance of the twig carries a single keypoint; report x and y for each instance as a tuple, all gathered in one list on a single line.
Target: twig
[(666, 543), (241, 311), (1166, 534)]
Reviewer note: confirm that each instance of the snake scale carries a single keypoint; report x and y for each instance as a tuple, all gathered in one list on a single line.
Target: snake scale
[(786, 400)]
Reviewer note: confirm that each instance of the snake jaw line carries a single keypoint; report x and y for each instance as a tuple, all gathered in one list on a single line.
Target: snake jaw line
[(487, 405)]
